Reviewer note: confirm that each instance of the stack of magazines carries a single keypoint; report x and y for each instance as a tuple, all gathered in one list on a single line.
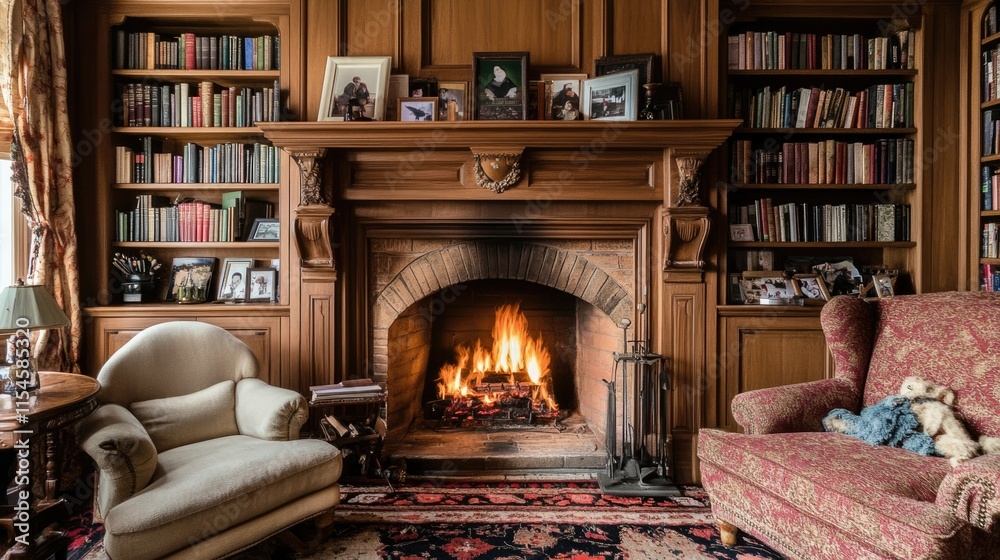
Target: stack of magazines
[(347, 391)]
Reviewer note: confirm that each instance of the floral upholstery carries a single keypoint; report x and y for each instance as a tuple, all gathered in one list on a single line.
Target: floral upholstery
[(814, 495)]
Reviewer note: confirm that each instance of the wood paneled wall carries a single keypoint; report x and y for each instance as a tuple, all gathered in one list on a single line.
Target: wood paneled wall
[(436, 38)]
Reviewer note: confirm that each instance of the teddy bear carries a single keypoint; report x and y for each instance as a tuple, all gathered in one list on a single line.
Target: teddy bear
[(933, 406), (921, 418)]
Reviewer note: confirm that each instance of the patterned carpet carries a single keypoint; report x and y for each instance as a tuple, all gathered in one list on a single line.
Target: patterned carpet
[(504, 520)]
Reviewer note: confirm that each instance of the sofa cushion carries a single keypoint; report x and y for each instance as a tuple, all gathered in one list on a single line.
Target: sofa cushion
[(205, 488), (950, 338), (176, 421), (879, 495)]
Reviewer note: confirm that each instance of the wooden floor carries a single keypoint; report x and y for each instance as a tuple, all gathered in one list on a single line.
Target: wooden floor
[(571, 447)]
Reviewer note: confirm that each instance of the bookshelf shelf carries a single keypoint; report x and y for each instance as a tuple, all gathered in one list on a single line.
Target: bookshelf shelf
[(824, 186), (183, 187), (241, 245), (824, 73), (995, 158), (822, 244), (827, 131), (989, 40), (222, 77), (990, 213), (991, 104), (213, 134)]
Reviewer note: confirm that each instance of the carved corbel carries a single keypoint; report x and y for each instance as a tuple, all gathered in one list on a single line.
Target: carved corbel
[(497, 169), (685, 221), (313, 224)]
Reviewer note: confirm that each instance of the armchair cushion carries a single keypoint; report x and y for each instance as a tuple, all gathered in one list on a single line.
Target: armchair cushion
[(175, 421), (269, 412), (205, 488), (123, 451), (831, 486)]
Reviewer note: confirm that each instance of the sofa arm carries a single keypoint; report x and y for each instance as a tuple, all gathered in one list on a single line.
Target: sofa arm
[(970, 491), (123, 451), (793, 408), (267, 412)]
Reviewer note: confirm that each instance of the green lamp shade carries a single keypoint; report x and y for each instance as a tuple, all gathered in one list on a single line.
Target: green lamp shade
[(29, 307)]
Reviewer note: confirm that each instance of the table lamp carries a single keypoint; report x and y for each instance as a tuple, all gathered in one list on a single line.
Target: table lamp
[(23, 308)]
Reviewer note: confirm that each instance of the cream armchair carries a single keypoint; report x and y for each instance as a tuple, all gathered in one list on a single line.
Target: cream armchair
[(197, 457)]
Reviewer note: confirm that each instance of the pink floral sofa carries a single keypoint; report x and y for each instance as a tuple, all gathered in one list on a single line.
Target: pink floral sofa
[(813, 495)]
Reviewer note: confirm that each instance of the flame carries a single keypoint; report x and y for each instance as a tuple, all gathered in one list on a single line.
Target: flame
[(515, 353)]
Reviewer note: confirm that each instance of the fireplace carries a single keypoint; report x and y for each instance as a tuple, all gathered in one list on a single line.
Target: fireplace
[(431, 295), (393, 217)]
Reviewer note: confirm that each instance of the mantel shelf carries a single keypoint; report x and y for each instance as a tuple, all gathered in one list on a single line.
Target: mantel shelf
[(700, 135)]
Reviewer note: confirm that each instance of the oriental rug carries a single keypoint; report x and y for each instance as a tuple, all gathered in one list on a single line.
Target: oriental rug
[(508, 520)]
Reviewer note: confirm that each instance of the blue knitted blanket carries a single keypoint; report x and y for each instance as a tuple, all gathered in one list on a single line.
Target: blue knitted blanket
[(890, 422)]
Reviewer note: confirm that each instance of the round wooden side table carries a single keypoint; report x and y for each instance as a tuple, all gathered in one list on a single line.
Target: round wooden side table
[(30, 427)]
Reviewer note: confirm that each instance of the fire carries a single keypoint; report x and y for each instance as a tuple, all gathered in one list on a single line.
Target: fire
[(522, 359)]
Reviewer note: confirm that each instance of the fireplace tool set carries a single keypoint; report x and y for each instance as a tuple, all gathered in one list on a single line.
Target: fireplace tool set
[(637, 438)]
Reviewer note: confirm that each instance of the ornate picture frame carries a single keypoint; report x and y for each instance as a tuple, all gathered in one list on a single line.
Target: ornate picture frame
[(354, 88), (500, 86)]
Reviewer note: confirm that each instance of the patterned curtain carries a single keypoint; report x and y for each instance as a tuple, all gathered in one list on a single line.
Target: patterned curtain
[(33, 87)]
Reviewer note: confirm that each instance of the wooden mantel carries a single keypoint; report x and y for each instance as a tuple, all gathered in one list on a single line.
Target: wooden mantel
[(682, 134)]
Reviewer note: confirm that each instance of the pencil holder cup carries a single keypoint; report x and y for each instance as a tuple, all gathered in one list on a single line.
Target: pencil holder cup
[(137, 288)]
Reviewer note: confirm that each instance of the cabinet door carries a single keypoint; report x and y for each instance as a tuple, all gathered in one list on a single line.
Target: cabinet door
[(109, 335), (262, 335), (762, 352)]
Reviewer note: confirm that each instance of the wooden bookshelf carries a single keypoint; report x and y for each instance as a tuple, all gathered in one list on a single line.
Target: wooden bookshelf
[(984, 33)]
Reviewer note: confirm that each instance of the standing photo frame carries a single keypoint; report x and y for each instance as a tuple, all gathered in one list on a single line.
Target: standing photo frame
[(811, 287), (453, 101), (644, 64), (611, 97), (265, 229), (399, 87), (262, 284), (562, 101), (500, 86), (354, 88), (883, 286), (190, 279), (417, 109), (233, 278)]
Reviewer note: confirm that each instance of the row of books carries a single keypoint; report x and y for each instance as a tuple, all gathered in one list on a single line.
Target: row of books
[(990, 21), (878, 106), (991, 74), (143, 50), (198, 105), (230, 162), (990, 280), (991, 132), (991, 188), (775, 50), (805, 222), (991, 241), (887, 161), (347, 391), (157, 218), (186, 222)]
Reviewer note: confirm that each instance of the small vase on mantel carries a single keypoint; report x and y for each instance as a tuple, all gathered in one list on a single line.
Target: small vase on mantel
[(649, 111)]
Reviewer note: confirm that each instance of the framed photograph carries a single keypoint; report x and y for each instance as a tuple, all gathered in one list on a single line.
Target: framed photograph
[(423, 87), (262, 284), (810, 286), (452, 100), (265, 229), (190, 278), (233, 280), (741, 232), (883, 286), (562, 96), (766, 284), (417, 109), (611, 97), (500, 86), (644, 64), (354, 88), (842, 277), (399, 87)]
